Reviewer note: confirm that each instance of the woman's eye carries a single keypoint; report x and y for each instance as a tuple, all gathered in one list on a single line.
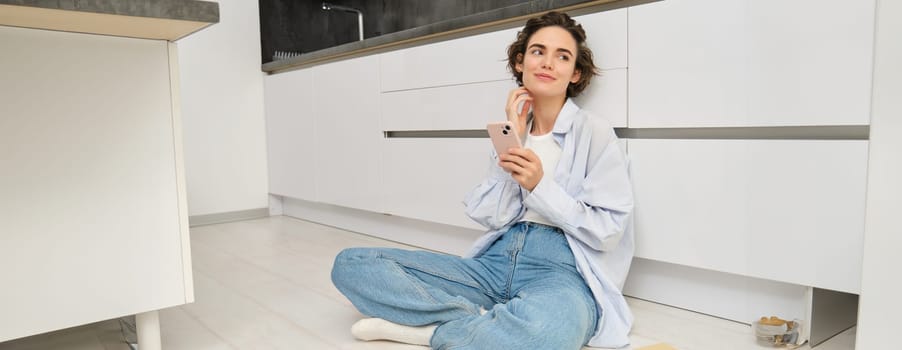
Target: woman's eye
[(536, 52), (564, 58)]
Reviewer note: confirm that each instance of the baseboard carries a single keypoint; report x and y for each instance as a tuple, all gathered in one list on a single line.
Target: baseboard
[(218, 218), (733, 297), (418, 233)]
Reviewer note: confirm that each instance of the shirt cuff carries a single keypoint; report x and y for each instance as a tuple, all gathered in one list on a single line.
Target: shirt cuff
[(533, 200), (498, 173)]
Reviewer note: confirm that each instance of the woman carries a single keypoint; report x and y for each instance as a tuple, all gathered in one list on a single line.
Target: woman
[(548, 273)]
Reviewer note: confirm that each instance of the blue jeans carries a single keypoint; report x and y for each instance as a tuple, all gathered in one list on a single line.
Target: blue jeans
[(527, 281)]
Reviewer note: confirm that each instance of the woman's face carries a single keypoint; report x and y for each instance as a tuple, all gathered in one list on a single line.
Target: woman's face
[(549, 63)]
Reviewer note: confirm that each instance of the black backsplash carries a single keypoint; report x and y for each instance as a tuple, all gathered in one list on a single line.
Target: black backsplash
[(302, 26)]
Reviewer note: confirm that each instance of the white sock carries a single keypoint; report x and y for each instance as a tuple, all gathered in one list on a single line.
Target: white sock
[(379, 329)]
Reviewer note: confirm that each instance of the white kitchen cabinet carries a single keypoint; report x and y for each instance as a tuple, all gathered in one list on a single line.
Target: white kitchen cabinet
[(347, 133), (92, 190), (291, 134), (783, 210), (427, 179), (701, 63)]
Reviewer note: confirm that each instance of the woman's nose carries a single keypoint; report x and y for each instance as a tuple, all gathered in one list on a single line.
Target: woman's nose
[(547, 63)]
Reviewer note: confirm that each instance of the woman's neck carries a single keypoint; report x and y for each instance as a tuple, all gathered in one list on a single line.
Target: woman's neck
[(544, 114)]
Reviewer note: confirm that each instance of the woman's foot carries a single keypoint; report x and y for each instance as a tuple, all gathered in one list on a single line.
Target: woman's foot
[(379, 329)]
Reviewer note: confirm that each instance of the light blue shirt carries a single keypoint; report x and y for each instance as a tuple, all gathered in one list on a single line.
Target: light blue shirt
[(589, 197)]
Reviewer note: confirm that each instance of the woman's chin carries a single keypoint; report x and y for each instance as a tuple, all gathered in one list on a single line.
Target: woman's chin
[(542, 93), (544, 90)]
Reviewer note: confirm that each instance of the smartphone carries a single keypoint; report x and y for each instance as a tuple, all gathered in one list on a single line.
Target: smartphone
[(503, 136)]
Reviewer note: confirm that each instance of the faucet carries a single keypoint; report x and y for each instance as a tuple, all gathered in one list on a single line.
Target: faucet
[(329, 7)]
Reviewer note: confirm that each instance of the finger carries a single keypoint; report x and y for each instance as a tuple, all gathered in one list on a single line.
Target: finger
[(516, 93), (520, 99), (505, 166), (524, 153), (511, 168), (517, 159), (514, 168), (524, 111)]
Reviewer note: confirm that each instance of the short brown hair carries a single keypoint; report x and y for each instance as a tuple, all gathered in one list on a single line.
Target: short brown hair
[(584, 62)]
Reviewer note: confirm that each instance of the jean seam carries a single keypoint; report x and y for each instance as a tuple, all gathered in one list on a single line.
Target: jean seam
[(416, 284), (433, 273)]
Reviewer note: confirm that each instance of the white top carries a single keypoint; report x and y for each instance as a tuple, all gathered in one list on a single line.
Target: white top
[(549, 152)]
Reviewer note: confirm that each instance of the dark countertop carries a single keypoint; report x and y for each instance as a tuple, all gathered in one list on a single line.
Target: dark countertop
[(157, 19), (186, 10), (507, 17)]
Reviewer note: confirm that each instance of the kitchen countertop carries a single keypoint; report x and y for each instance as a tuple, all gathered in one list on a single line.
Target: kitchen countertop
[(159, 19), (506, 17)]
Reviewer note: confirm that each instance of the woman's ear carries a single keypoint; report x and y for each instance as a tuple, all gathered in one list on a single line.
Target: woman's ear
[(519, 65), (576, 75)]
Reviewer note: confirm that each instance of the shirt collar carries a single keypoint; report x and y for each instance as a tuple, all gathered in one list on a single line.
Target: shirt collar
[(564, 121)]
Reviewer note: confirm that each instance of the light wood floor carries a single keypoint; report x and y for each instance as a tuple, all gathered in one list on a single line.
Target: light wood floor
[(264, 284)]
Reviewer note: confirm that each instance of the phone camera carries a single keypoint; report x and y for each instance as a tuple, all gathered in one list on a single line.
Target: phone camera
[(504, 132), (507, 127)]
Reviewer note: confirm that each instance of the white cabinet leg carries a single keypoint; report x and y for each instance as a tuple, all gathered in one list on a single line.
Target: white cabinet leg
[(148, 325)]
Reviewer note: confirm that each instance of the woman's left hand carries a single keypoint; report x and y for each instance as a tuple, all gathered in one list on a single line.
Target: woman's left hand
[(524, 166)]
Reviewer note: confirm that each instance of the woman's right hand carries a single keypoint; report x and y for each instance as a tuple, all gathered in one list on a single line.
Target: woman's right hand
[(515, 116)]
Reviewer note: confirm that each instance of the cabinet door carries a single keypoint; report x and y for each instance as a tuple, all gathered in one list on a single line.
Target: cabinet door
[(89, 191), (290, 134), (427, 179), (347, 133), (750, 63), (784, 210)]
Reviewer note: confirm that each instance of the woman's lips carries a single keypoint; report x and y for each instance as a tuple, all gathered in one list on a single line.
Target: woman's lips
[(544, 77)]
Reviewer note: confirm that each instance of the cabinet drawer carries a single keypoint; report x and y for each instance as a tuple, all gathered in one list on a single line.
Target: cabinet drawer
[(750, 63), (471, 59), (785, 210), (427, 179), (471, 106), (457, 107)]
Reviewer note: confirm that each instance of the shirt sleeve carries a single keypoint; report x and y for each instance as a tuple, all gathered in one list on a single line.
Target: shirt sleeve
[(497, 201), (599, 212)]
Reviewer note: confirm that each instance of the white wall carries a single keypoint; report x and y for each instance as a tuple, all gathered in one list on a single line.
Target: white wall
[(222, 113)]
